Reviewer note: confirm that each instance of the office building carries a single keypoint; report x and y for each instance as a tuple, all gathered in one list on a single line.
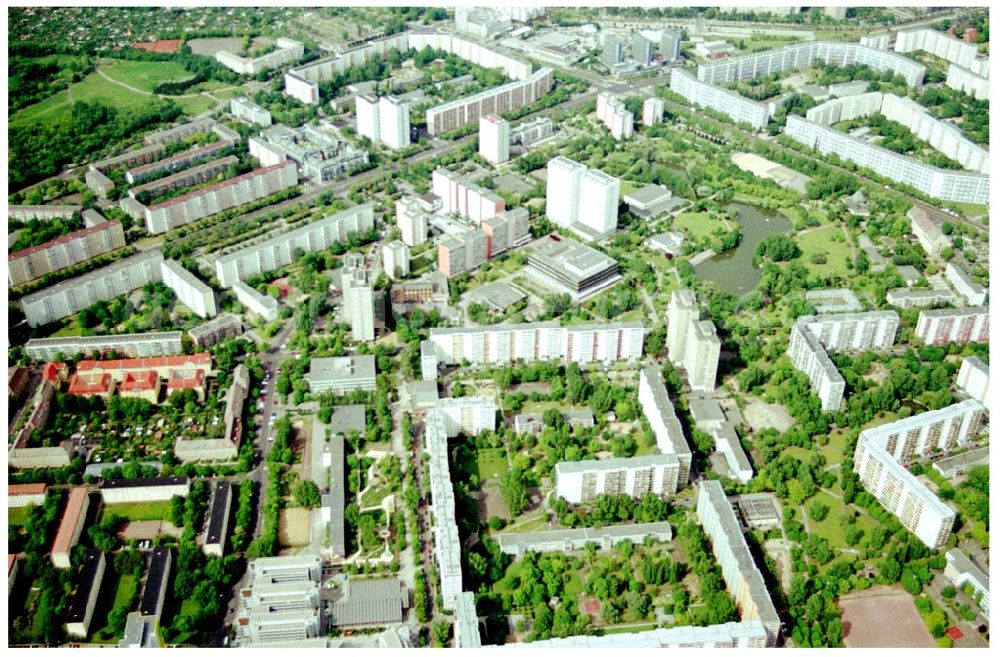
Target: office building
[(494, 138), (707, 95), (882, 451), (317, 151), (190, 291), (99, 183), (642, 50), (581, 481), (539, 341), (513, 95), (342, 374), (659, 413), (215, 330), (944, 184), (974, 379), (652, 110), (396, 260), (84, 600), (670, 46), (581, 200), (282, 603), (244, 108), (482, 22), (572, 540), (26, 213), (71, 526), (218, 520), (219, 197), (278, 251), (572, 268), (973, 293), (959, 325), (742, 577), (73, 295), (692, 343), (961, 571), (612, 113), (288, 51), (384, 120), (79, 246), (154, 489), (359, 297)]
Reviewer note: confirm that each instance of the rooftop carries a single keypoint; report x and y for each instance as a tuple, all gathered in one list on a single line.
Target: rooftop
[(79, 234), (97, 274), (218, 520), (142, 483), (578, 260), (370, 602), (648, 195), (497, 295), (344, 368), (649, 460)]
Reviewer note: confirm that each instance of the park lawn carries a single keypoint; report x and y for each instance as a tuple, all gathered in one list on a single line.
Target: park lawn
[(627, 187), (492, 463), (697, 224), (140, 510), (820, 240), (17, 516), (373, 496), (830, 528), (798, 453), (629, 628), (574, 584), (972, 209), (833, 451), (529, 524), (92, 89), (195, 105), (144, 75), (114, 592)]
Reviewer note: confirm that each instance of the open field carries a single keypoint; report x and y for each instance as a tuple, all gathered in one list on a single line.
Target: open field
[(144, 75), (140, 510), (869, 615), (830, 528), (293, 527), (821, 240), (144, 530), (697, 224), (492, 463)]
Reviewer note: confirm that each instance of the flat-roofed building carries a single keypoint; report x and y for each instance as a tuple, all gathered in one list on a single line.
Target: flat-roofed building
[(130, 158), (396, 259), (458, 113), (973, 293), (692, 343), (282, 602), (572, 268), (218, 520), (760, 511), (961, 571), (42, 212), (256, 302), (287, 52), (833, 300), (244, 108), (462, 252), (741, 574), (79, 246), (157, 577), (533, 423), (278, 251), (570, 540), (333, 501), (191, 291), (651, 201), (958, 325), (133, 345), (952, 467), (809, 357), (342, 374), (99, 183), (904, 297), (466, 627), (745, 634), (73, 295), (974, 379), (727, 442), (154, 489), (71, 526), (368, 602), (215, 330), (316, 150), (494, 138), (669, 243), (175, 163), (867, 330), (180, 131), (706, 95), (582, 481), (84, 600), (412, 218), (184, 178), (652, 111), (358, 289), (21, 495), (461, 195)]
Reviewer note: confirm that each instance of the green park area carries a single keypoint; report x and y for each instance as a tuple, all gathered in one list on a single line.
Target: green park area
[(140, 510), (698, 225), (492, 463), (824, 250), (144, 75)]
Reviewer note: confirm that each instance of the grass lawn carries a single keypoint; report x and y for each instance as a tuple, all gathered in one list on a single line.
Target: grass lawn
[(972, 209), (114, 592), (492, 463), (833, 451), (627, 187), (574, 584), (144, 75), (17, 516), (374, 496), (529, 523), (697, 224), (821, 240), (140, 510), (830, 528), (629, 628)]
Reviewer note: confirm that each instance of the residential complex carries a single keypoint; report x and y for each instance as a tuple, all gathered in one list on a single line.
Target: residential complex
[(256, 302), (175, 163), (384, 120), (359, 297), (662, 418), (460, 195), (494, 138), (244, 108), (960, 571), (319, 153), (215, 330), (71, 526), (692, 343), (974, 379), (582, 200), (958, 325), (31, 264), (612, 113), (973, 293), (288, 51), (582, 481), (189, 289), (73, 295), (459, 113), (705, 94), (396, 260), (567, 540)]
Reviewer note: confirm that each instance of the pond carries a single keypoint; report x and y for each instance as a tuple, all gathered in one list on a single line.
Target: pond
[(733, 271)]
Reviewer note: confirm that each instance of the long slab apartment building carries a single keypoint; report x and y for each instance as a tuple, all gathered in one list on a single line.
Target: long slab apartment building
[(500, 345), (73, 295), (79, 246), (131, 345), (279, 250), (882, 452), (958, 325)]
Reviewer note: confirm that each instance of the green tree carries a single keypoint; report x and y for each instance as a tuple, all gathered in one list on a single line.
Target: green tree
[(515, 495), (306, 494)]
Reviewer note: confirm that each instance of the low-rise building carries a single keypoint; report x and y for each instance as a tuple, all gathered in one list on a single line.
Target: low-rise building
[(141, 385), (217, 530), (99, 183), (904, 297), (927, 230), (342, 374), (215, 330), (319, 153), (973, 293), (760, 511), (155, 489), (93, 384), (651, 201), (21, 495), (956, 466), (961, 571), (834, 300), (368, 602), (572, 268), (71, 526), (568, 540), (532, 422), (132, 345), (668, 243), (84, 601)]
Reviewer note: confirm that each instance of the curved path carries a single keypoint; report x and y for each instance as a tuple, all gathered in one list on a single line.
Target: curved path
[(149, 93)]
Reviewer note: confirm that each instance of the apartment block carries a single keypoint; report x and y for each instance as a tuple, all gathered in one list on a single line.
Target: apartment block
[(856, 331), (79, 246), (974, 379), (127, 159), (462, 253), (707, 95), (278, 251), (582, 200), (316, 150), (505, 231), (809, 357), (967, 81), (384, 120), (176, 162), (218, 519), (244, 108), (494, 138), (22, 495), (73, 295), (156, 489), (961, 571), (652, 111), (412, 213), (164, 367), (42, 212), (582, 481), (215, 330), (959, 325), (255, 302), (742, 577), (567, 540), (191, 291), (927, 230), (612, 113), (219, 197), (71, 526), (184, 178), (84, 600), (396, 259), (288, 51), (359, 297), (506, 343), (179, 132), (692, 343), (341, 374), (513, 95), (132, 345), (904, 297), (99, 183), (464, 197), (937, 43), (973, 293)]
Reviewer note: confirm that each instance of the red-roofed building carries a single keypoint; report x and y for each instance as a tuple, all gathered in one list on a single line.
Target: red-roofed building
[(190, 379), (145, 385), (24, 494), (17, 382), (955, 633), (55, 372), (284, 289), (164, 366), (89, 384)]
